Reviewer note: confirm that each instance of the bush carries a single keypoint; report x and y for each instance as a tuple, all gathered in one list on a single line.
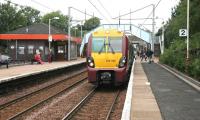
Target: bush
[(175, 56), (194, 68)]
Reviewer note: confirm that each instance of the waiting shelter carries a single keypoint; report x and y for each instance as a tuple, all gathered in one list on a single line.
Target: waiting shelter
[(23, 43)]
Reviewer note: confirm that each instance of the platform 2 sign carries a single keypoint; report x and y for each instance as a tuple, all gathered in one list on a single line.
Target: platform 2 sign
[(182, 32)]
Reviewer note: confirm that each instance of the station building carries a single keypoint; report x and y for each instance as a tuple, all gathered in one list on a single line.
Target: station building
[(24, 42)]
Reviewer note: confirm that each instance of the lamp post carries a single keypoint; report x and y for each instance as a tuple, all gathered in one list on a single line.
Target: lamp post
[(50, 37)]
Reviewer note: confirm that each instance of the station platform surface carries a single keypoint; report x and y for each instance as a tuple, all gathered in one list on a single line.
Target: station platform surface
[(26, 70), (140, 103), (144, 105)]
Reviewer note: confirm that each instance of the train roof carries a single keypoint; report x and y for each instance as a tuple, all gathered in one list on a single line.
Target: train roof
[(108, 32)]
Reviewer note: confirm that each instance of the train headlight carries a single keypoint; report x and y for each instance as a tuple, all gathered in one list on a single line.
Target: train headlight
[(90, 62), (122, 62)]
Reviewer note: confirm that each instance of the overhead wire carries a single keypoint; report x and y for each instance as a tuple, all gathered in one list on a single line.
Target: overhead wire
[(98, 10), (84, 12), (42, 5), (151, 13), (105, 9), (132, 11)]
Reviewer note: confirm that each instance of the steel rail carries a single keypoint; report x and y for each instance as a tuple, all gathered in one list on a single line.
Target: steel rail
[(35, 92), (79, 105), (43, 101), (112, 106)]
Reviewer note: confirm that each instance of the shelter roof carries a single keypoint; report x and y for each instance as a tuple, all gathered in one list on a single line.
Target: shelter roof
[(37, 32)]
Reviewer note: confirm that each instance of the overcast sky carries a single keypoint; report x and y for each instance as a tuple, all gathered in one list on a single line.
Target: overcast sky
[(108, 9)]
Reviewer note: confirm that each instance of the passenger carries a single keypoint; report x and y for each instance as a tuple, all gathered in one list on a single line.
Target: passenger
[(142, 55), (50, 56), (37, 58), (138, 53), (149, 54)]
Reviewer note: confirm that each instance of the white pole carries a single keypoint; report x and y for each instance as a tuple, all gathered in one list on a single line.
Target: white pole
[(188, 30), (153, 28), (69, 25), (16, 50), (81, 30), (163, 37), (49, 35), (130, 20)]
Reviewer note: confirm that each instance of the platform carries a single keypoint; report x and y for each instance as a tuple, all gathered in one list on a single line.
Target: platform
[(144, 105), (140, 103), (26, 70)]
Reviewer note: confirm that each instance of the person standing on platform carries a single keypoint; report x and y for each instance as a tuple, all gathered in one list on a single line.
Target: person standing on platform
[(50, 56), (149, 54), (142, 54)]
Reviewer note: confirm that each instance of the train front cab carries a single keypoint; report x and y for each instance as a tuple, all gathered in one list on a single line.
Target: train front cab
[(108, 66), (112, 76)]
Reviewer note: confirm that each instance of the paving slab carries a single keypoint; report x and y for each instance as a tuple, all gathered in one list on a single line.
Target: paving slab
[(25, 70), (144, 105)]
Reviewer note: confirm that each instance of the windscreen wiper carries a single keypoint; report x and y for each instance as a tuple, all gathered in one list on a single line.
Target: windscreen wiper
[(113, 52), (102, 47)]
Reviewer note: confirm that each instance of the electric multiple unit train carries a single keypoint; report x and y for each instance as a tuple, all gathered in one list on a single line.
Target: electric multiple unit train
[(109, 57)]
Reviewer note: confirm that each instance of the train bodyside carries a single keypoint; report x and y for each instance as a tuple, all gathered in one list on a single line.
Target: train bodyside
[(109, 55)]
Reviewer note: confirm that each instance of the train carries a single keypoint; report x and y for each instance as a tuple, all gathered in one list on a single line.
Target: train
[(110, 55)]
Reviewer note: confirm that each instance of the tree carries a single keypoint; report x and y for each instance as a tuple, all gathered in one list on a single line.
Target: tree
[(91, 23), (10, 18), (31, 15), (175, 54), (60, 23)]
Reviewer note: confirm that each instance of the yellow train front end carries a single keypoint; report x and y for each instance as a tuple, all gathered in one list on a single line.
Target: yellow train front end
[(107, 57)]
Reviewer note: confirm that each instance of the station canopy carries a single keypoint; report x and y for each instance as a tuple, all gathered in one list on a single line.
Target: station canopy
[(37, 32)]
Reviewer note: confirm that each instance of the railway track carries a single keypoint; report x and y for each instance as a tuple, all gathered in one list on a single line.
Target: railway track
[(98, 104), (19, 106)]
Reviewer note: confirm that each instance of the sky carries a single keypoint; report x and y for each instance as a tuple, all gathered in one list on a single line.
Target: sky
[(107, 9)]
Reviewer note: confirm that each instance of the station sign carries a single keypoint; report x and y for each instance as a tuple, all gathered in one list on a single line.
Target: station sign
[(183, 32)]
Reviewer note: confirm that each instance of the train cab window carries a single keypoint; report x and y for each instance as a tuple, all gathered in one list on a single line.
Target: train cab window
[(98, 44), (115, 44)]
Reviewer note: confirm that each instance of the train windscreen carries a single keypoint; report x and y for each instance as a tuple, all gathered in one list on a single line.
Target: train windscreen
[(112, 44), (115, 44), (98, 44)]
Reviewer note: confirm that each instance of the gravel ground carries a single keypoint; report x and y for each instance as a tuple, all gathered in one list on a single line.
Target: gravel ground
[(98, 106), (60, 106), (43, 95), (30, 89), (118, 107)]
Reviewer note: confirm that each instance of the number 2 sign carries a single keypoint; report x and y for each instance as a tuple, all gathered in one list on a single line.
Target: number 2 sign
[(182, 32)]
